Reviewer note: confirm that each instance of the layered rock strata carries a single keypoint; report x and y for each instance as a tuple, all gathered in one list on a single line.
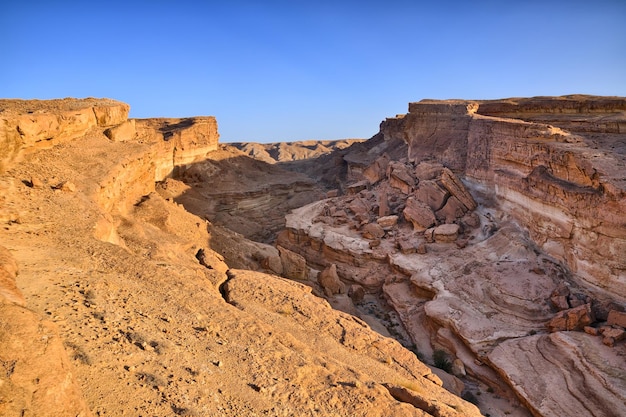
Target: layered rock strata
[(542, 251)]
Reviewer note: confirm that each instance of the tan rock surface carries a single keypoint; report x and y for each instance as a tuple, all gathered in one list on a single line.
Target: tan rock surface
[(132, 282)]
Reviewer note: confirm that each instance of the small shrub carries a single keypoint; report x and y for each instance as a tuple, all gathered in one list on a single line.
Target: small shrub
[(470, 397), (441, 361)]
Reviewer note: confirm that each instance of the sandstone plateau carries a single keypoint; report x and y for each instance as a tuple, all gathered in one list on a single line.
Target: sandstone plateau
[(469, 259)]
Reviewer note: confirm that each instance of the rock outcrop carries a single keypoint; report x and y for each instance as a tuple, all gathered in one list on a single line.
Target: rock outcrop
[(27, 124), (510, 227), (560, 185)]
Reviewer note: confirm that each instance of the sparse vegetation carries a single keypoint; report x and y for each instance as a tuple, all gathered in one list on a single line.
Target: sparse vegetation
[(441, 360), (78, 353), (470, 397)]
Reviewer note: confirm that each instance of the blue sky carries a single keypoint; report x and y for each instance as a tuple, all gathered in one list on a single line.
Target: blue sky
[(292, 70)]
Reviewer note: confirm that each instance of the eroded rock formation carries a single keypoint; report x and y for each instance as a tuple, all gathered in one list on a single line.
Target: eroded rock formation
[(510, 225), (148, 310)]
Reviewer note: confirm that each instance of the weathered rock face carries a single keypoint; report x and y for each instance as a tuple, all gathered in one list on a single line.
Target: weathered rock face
[(569, 194), (534, 227), (247, 196), (26, 124)]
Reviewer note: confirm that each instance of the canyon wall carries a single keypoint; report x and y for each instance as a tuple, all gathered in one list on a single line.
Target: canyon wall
[(491, 238), (569, 194)]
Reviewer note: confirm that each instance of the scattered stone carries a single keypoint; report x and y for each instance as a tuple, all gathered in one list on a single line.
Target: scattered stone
[(400, 177), (332, 193), (274, 264), (431, 194), (358, 187), (429, 235), (36, 182), (122, 132), (458, 368), (615, 333), (66, 186), (591, 330), (616, 318), (330, 282), (428, 170), (446, 233), (421, 249), (294, 265), (455, 186), (419, 214), (453, 210), (573, 319), (559, 297), (356, 293), (373, 231), (387, 222)]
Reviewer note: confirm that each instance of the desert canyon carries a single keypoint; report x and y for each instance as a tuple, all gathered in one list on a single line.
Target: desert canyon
[(469, 259)]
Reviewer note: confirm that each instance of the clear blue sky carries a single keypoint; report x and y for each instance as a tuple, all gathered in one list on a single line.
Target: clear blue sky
[(293, 70)]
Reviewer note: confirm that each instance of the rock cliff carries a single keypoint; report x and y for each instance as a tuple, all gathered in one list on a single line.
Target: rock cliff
[(499, 228)]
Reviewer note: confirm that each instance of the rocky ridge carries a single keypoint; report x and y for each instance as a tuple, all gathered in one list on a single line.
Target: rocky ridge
[(527, 216), (122, 305)]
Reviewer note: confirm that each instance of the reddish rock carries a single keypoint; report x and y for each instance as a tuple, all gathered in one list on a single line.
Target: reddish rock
[(421, 249), (428, 170), (431, 194), (407, 246), (378, 170), (451, 211), (446, 233), (616, 318), (357, 187), (373, 231), (591, 330), (419, 214), (455, 186), (387, 222), (356, 293), (615, 333), (360, 208), (572, 319), (294, 265), (400, 177)]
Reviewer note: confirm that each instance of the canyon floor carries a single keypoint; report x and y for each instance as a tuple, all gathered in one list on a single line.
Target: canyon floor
[(147, 270)]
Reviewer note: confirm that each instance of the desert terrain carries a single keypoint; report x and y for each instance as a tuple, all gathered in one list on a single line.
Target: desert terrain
[(469, 259)]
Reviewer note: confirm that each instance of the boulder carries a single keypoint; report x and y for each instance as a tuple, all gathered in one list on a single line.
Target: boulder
[(446, 233), (400, 177), (428, 170), (387, 222), (356, 293), (122, 132), (451, 211), (373, 231), (330, 282), (616, 318), (294, 265), (431, 194), (419, 214), (572, 319), (455, 187)]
